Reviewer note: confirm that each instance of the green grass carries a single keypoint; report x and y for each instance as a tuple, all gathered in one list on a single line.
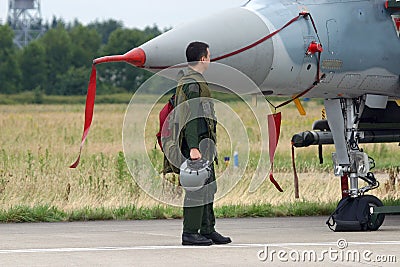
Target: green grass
[(284, 210), (120, 98), (21, 214), (32, 98)]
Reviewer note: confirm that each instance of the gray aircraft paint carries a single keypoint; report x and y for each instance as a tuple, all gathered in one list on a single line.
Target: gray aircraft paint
[(362, 50), (224, 32), (361, 47)]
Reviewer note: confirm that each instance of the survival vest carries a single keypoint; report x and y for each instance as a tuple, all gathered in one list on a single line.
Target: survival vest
[(168, 137)]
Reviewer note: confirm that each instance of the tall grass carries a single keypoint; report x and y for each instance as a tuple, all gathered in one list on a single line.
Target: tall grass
[(39, 142)]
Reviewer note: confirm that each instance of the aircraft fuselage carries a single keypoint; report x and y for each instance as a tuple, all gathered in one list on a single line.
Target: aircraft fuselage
[(361, 46)]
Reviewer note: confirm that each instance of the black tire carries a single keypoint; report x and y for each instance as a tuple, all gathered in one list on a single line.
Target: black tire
[(373, 201)]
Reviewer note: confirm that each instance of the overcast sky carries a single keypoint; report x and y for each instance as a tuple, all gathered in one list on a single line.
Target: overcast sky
[(134, 14)]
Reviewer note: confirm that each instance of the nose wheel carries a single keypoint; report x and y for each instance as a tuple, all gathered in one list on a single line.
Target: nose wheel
[(376, 219)]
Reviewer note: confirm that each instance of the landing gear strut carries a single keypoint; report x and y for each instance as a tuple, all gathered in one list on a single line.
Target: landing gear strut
[(366, 119), (349, 160)]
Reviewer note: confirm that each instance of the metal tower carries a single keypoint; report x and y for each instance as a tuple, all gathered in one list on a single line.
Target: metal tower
[(25, 18)]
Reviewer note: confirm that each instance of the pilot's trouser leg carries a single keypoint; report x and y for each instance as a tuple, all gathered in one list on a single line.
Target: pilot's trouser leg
[(198, 212), (208, 220), (192, 215)]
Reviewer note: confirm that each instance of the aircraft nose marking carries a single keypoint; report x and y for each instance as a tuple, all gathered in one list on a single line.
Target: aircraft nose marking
[(241, 50), (269, 36)]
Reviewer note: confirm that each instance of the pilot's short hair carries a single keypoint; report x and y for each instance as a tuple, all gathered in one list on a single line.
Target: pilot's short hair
[(195, 51)]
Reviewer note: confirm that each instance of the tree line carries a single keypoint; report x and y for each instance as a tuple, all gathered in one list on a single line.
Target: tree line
[(59, 62)]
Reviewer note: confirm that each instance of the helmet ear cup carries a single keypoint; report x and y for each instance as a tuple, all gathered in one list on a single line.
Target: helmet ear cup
[(194, 174)]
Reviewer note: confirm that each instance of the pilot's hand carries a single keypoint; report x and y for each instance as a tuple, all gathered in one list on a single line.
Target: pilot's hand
[(195, 154)]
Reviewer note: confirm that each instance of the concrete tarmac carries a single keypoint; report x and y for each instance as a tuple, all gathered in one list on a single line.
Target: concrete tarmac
[(303, 241)]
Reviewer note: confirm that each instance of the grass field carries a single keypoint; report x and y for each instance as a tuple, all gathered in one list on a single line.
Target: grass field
[(39, 142)]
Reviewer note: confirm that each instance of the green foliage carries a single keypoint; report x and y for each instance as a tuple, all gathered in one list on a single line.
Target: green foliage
[(105, 28), (58, 58), (86, 44), (38, 95), (122, 173), (72, 82), (33, 66), (10, 74), (59, 62), (21, 214)]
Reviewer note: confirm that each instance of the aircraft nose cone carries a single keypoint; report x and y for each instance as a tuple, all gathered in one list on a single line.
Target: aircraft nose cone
[(135, 57), (230, 35)]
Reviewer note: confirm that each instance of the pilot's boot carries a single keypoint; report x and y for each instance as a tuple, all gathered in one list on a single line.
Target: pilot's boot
[(217, 238), (195, 240)]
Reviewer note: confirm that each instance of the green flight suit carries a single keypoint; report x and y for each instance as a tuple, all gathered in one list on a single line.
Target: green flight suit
[(198, 212)]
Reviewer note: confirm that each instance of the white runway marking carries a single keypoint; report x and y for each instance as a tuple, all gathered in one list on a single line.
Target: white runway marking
[(233, 246)]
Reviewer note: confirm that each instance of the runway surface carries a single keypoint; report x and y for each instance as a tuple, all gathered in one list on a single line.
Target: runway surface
[(256, 242)]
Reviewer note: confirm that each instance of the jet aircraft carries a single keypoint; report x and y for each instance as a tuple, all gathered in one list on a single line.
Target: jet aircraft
[(346, 52)]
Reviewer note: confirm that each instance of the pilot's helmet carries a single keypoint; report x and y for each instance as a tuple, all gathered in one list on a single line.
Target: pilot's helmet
[(194, 174)]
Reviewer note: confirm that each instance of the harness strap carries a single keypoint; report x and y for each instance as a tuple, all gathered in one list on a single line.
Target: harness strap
[(296, 177)]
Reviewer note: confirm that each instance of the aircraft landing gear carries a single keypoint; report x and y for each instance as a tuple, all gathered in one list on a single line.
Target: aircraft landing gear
[(349, 160), (353, 121)]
